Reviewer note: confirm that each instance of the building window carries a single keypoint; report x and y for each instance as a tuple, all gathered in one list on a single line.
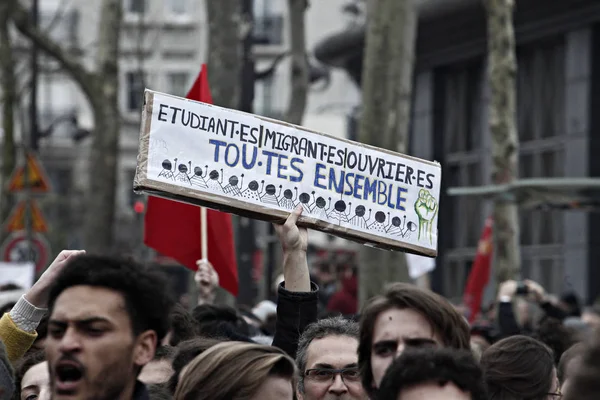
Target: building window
[(268, 23), (178, 7), (135, 86), (541, 125), (136, 6), (178, 83), (461, 119)]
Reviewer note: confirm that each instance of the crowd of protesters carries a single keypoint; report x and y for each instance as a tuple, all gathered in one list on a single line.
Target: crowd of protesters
[(102, 328)]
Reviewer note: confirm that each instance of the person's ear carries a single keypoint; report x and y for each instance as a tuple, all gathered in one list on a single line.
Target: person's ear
[(145, 348)]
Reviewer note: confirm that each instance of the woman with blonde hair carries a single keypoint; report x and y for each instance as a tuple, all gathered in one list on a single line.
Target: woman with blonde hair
[(239, 371)]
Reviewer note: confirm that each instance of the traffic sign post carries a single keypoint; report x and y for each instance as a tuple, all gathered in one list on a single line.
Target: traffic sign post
[(34, 178), (16, 248), (26, 221), (16, 221)]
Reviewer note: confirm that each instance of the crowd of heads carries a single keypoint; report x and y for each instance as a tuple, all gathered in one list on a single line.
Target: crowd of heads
[(113, 330)]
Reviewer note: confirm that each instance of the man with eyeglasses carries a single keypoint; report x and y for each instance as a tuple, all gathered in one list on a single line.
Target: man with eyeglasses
[(328, 361)]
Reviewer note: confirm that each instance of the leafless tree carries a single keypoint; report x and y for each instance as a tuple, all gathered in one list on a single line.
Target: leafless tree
[(502, 70), (100, 86), (386, 102), (299, 62), (9, 101)]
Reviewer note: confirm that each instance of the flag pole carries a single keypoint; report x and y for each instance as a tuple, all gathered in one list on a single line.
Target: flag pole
[(203, 234)]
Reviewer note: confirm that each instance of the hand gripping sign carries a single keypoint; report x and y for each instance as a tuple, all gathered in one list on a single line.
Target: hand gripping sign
[(262, 168)]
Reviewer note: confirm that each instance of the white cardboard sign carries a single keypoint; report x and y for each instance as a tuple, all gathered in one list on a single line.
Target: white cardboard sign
[(263, 168)]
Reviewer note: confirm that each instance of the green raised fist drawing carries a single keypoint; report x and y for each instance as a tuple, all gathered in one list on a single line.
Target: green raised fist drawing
[(426, 208)]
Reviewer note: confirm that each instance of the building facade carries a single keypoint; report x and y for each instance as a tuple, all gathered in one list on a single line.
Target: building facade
[(163, 44), (557, 83)]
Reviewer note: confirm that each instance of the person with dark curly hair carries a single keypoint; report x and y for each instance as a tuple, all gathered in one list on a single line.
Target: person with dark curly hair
[(433, 374), (107, 317)]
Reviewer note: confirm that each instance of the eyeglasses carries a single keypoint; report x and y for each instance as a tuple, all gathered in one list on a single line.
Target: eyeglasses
[(328, 374)]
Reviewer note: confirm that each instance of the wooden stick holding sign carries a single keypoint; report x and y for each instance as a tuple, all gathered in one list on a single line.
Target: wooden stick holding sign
[(203, 233), (262, 168)]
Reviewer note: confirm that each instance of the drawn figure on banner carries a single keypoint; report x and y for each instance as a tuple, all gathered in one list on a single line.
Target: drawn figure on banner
[(215, 180), (198, 179), (183, 169), (317, 208), (232, 188), (251, 192), (288, 201), (269, 196), (339, 213), (167, 170), (379, 223), (426, 207), (401, 227), (359, 219), (304, 199)]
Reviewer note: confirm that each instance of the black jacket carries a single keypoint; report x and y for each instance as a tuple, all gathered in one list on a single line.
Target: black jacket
[(295, 311), (140, 392)]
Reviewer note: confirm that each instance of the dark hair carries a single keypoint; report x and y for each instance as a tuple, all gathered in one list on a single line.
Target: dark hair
[(336, 326), (42, 328), (518, 367), (221, 322), (443, 317), (585, 383), (572, 301), (555, 335), (570, 354), (159, 392), (165, 353), (441, 366), (22, 366), (183, 325), (186, 352), (146, 298)]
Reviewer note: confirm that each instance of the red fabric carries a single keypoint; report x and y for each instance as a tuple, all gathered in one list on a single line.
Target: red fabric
[(345, 300), (173, 228), (480, 272)]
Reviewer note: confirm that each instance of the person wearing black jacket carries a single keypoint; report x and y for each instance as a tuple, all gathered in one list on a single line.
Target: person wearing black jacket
[(297, 296)]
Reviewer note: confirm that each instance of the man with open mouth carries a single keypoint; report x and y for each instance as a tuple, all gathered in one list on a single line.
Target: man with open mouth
[(106, 318)]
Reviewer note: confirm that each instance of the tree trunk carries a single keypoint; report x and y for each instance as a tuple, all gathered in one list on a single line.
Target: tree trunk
[(8, 92), (226, 32), (502, 68), (101, 88), (299, 62), (99, 222), (386, 102)]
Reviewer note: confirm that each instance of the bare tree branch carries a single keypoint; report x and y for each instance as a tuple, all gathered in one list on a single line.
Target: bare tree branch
[(85, 79)]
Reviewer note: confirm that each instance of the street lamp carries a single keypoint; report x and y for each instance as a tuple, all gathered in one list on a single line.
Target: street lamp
[(78, 133)]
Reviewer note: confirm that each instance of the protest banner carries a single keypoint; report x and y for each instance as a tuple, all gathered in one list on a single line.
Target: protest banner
[(262, 168)]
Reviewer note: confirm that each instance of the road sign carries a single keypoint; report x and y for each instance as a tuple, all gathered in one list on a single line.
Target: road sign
[(38, 181), (16, 249), (16, 220)]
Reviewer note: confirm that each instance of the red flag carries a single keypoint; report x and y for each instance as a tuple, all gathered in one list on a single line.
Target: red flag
[(173, 228), (480, 272)]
